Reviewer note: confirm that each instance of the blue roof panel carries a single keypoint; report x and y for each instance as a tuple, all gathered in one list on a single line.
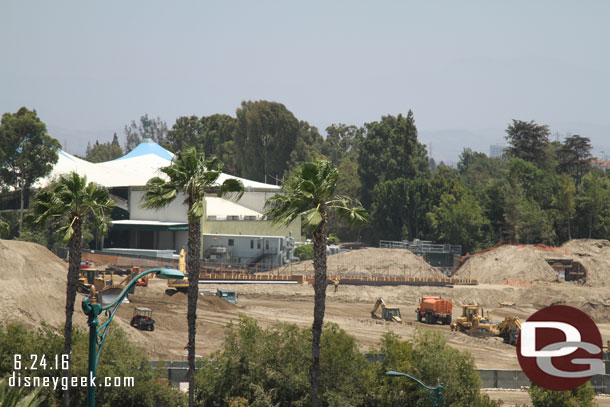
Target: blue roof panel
[(147, 147)]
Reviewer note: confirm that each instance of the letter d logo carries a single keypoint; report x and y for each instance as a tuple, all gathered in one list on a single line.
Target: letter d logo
[(560, 348)]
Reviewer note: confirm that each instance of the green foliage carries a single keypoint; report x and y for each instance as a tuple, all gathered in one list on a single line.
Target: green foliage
[(27, 152), (5, 229), (574, 157), (593, 205), (214, 135), (68, 200), (583, 396), (104, 152), (529, 141), (266, 134), (309, 192), (459, 220), (191, 174), (259, 366), (119, 359), (156, 129), (304, 252), (390, 150), (429, 359), (341, 142), (19, 397)]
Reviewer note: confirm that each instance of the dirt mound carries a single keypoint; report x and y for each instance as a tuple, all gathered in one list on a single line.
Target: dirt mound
[(370, 262), (33, 284), (594, 255), (512, 264)]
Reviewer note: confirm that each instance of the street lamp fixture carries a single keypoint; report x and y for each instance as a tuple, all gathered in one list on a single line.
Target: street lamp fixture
[(435, 392), (109, 302)]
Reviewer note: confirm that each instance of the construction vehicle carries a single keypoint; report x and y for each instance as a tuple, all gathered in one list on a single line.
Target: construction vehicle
[(391, 314), (142, 319), (181, 285), (433, 309), (142, 281), (509, 329), (474, 323)]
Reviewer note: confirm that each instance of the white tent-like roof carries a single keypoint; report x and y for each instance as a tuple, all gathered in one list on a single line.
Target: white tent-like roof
[(132, 170), (223, 209)]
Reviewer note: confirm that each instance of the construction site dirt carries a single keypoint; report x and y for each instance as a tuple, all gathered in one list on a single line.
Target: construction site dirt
[(30, 273)]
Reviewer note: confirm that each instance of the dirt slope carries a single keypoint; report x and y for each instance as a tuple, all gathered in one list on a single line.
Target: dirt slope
[(371, 262)]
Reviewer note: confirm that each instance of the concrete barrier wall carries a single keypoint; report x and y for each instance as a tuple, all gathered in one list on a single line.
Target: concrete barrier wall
[(515, 379)]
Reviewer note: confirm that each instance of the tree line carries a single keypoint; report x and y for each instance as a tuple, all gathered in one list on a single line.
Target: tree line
[(540, 191)]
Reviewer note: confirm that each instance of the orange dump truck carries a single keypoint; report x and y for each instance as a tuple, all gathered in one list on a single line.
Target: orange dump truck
[(433, 309)]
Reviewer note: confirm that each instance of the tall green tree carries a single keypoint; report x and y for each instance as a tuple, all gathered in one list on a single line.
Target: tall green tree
[(341, 140), (574, 157), (190, 175), (390, 150), (528, 141), (186, 132), (67, 203), (459, 220), (214, 135), (593, 205), (307, 147), (103, 152), (266, 135), (155, 128), (565, 202), (309, 193), (27, 152)]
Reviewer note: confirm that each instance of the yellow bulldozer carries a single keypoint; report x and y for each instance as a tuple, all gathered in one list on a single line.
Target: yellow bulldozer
[(473, 322), (391, 314), (510, 329)]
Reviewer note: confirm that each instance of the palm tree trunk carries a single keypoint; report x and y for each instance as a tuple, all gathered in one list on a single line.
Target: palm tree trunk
[(192, 265), (319, 287), (73, 270)]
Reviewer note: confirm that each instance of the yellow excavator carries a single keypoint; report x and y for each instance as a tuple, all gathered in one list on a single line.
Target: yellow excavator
[(180, 284), (391, 314), (474, 323)]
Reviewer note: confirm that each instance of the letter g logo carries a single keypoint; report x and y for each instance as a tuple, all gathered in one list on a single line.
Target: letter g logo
[(554, 346)]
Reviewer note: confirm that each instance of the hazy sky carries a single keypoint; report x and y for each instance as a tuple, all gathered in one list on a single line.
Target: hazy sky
[(465, 68)]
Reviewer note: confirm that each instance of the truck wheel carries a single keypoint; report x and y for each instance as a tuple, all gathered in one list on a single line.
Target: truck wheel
[(428, 318), (447, 320), (419, 317)]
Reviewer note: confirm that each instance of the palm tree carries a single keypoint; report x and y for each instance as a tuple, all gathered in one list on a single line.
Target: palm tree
[(67, 203), (310, 193), (192, 175)]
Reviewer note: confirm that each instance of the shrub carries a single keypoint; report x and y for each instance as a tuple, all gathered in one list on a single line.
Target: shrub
[(304, 252), (583, 396)]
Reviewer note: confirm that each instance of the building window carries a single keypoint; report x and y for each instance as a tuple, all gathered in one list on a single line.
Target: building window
[(249, 217), (267, 244), (258, 244), (251, 244), (233, 217), (212, 217), (231, 242)]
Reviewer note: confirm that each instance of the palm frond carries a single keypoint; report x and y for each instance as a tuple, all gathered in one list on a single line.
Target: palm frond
[(159, 193)]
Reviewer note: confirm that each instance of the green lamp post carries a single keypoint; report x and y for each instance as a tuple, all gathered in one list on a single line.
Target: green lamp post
[(110, 303), (435, 392)]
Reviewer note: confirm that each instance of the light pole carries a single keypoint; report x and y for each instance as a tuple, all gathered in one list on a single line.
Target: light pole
[(110, 304), (435, 392)]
